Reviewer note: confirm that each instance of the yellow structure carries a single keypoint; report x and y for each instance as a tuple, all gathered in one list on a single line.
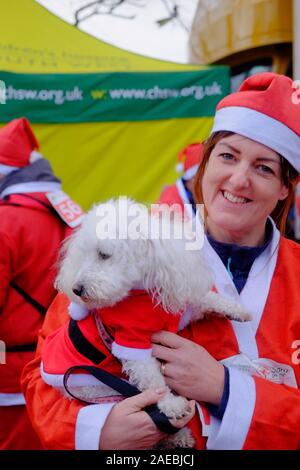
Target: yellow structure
[(243, 34)]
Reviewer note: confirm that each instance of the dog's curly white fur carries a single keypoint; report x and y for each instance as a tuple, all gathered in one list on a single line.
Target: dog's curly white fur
[(99, 269)]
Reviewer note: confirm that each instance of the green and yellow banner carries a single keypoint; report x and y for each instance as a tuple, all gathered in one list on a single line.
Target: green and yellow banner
[(103, 97), (110, 122)]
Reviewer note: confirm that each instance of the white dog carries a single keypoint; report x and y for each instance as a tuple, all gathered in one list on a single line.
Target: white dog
[(115, 252)]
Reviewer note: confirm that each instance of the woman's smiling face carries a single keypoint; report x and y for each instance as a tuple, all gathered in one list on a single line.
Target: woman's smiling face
[(241, 186)]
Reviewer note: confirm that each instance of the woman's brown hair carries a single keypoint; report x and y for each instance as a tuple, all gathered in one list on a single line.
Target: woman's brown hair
[(289, 178)]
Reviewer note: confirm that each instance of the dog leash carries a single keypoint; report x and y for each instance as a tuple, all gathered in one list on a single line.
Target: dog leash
[(125, 389), (84, 347)]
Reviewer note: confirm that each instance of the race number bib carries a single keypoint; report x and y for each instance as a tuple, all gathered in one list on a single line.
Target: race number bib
[(70, 212), (266, 368)]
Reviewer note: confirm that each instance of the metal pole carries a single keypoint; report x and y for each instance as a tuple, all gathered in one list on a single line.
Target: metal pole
[(296, 42)]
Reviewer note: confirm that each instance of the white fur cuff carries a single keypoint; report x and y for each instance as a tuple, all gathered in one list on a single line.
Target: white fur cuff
[(131, 354), (90, 421)]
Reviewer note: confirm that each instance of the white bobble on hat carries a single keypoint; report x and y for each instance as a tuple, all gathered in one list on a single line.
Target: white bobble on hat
[(77, 312), (17, 142), (179, 167)]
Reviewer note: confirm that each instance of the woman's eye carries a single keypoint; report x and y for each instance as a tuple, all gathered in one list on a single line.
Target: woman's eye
[(103, 256), (227, 156), (265, 169)]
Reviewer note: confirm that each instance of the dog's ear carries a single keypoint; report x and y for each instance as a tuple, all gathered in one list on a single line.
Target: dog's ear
[(70, 260), (176, 275), (62, 267)]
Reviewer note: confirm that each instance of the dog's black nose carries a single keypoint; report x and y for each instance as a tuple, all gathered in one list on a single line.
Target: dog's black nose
[(78, 290)]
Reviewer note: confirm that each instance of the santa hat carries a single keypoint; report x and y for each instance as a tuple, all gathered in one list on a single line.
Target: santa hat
[(189, 160), (18, 146), (264, 109)]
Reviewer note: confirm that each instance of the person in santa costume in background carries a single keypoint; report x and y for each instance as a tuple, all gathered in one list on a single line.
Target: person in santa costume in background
[(32, 228), (245, 375), (181, 192)]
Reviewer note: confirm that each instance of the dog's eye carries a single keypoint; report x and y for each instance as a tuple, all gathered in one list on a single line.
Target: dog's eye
[(103, 255)]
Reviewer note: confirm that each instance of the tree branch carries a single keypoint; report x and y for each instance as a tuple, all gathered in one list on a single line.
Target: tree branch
[(111, 6)]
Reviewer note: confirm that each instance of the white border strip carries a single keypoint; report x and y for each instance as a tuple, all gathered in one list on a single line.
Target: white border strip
[(75, 380), (89, 424), (261, 128), (190, 173), (12, 399), (231, 432), (255, 294), (184, 198)]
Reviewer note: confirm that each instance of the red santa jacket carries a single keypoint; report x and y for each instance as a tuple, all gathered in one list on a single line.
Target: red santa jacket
[(176, 194), (30, 237), (263, 410), (130, 323)]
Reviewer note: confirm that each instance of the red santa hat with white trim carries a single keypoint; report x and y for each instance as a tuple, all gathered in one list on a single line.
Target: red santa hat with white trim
[(18, 146), (189, 160), (266, 109)]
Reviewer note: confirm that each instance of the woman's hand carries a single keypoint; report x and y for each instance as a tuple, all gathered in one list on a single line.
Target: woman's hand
[(129, 427), (189, 369)]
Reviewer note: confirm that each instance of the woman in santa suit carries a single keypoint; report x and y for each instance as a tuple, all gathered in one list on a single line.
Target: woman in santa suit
[(245, 375), (31, 231), (181, 192)]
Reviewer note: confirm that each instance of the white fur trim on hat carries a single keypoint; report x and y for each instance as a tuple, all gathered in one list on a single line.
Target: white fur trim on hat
[(6, 169), (261, 128), (77, 312)]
